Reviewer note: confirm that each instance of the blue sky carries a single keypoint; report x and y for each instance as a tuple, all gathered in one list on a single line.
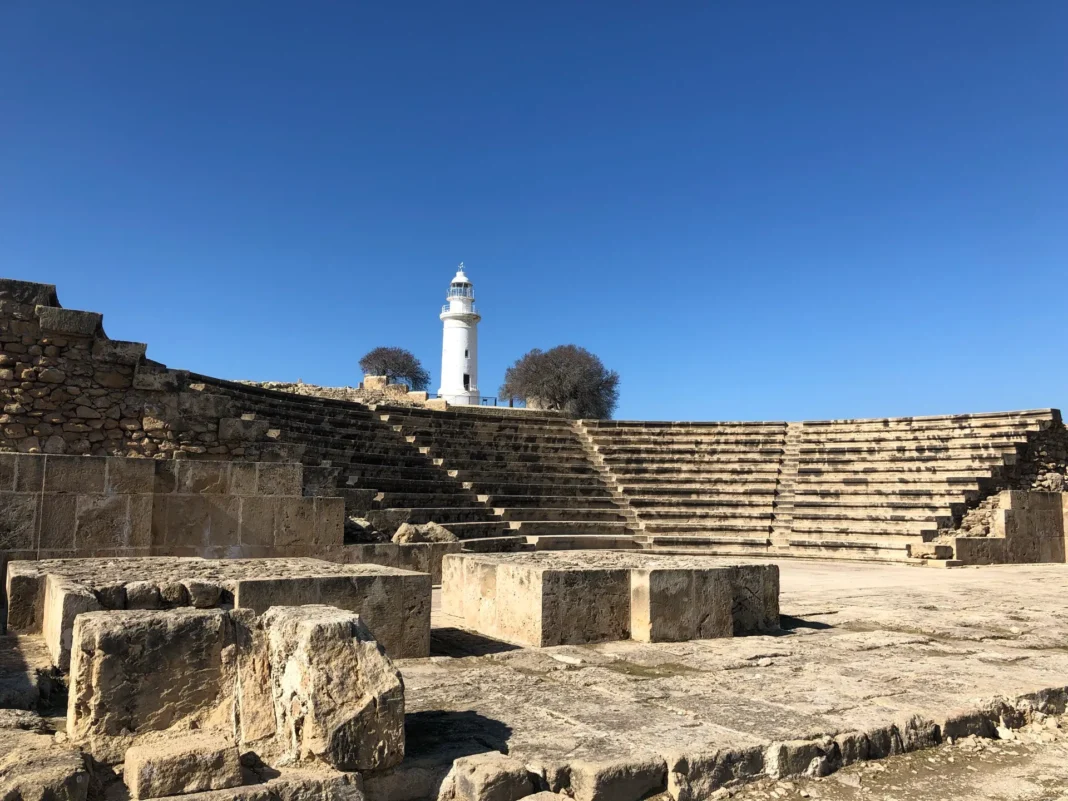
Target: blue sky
[(766, 210)]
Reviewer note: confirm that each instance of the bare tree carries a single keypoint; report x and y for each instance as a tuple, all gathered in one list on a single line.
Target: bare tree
[(567, 378), (398, 365)]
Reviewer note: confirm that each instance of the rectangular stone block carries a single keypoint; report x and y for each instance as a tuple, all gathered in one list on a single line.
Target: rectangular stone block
[(8, 463), (138, 671), (73, 322), (243, 478), (64, 600), (395, 604), (280, 478), (196, 521), (129, 476), (102, 521), (24, 587), (81, 474), (755, 593), (179, 764), (676, 604), (18, 521), (29, 473), (58, 521), (257, 520), (207, 478)]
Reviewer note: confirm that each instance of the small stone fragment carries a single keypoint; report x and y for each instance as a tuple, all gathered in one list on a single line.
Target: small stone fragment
[(179, 764)]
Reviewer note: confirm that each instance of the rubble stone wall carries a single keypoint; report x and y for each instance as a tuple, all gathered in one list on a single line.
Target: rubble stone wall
[(66, 388)]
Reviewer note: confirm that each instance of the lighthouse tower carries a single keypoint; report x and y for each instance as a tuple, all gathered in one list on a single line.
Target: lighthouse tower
[(459, 343)]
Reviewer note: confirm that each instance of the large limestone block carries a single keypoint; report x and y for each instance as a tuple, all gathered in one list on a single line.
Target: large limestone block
[(33, 767), (337, 697), (139, 671), (189, 763), (64, 600), (394, 604), (675, 605), (755, 590), (577, 606)]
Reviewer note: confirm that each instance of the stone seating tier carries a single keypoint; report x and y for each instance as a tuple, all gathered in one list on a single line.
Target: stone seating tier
[(487, 453)]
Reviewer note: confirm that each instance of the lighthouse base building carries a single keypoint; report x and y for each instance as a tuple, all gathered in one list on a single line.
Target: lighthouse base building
[(459, 343)]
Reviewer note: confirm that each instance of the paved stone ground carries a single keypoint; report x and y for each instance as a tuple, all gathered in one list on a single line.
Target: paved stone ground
[(1032, 766), (863, 646)]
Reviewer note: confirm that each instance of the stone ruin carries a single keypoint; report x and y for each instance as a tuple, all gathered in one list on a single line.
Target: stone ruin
[(191, 608)]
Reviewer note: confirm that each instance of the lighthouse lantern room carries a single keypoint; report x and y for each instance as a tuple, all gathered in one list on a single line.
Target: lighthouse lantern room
[(459, 343)]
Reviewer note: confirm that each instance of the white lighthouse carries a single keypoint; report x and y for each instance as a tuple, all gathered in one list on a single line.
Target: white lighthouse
[(459, 343)]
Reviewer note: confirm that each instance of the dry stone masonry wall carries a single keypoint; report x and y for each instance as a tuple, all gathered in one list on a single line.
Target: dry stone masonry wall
[(69, 389)]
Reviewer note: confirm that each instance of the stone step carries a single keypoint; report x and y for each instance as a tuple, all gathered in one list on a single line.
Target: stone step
[(548, 501), (428, 473), (472, 455), (558, 513), (814, 528), (491, 486), (643, 504), (494, 439), (567, 527), (466, 531), (700, 478), (471, 466), (712, 489), (879, 550), (429, 425), (911, 446), (661, 425), (681, 515), (712, 526), (662, 444), (861, 496), (382, 483), (750, 455), (481, 479), (440, 497), (450, 514), (874, 465), (882, 506)]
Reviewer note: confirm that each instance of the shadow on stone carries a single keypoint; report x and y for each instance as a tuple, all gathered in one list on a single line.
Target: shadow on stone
[(789, 623), (459, 643), (461, 733)]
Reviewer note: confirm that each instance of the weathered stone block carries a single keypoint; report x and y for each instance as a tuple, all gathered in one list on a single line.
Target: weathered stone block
[(81, 474), (29, 473), (18, 521), (175, 764), (491, 776), (55, 320), (102, 521), (208, 478), (693, 777), (243, 478), (130, 476), (281, 478), (139, 671), (236, 429), (64, 600), (337, 697), (119, 351), (58, 521), (677, 604), (258, 520), (33, 768), (196, 520), (605, 781), (394, 604), (755, 592)]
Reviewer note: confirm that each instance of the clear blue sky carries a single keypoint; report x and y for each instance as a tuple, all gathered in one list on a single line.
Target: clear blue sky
[(751, 210)]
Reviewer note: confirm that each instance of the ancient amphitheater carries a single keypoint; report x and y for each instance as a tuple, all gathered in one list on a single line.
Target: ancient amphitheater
[(623, 610)]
